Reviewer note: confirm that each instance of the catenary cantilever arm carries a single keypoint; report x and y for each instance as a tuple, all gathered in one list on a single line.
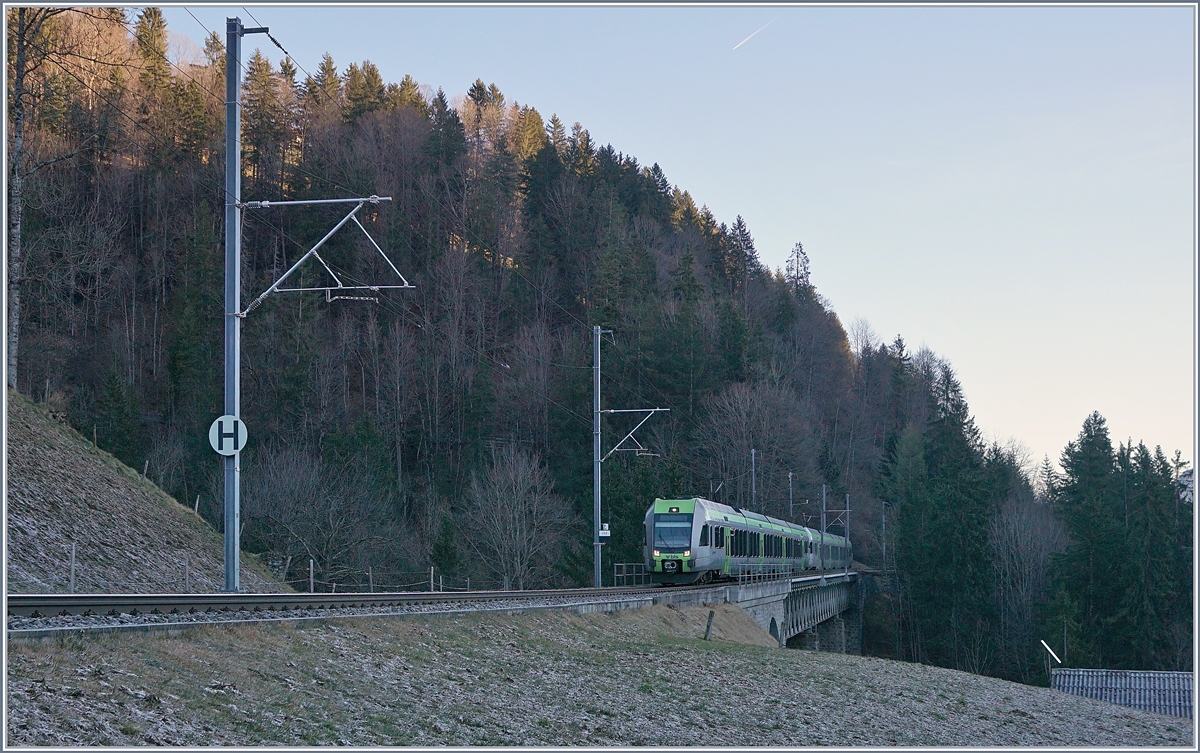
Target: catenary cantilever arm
[(648, 411), (312, 251)]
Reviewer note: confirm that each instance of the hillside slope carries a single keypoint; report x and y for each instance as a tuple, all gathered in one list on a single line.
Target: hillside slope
[(642, 677), (130, 536)]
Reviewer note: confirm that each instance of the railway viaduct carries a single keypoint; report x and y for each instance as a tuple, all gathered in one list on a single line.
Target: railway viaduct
[(812, 611)]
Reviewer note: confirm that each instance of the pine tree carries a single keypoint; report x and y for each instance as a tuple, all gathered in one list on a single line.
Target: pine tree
[(1150, 587), (406, 94), (288, 70), (478, 93), (151, 35), (797, 272), (447, 140), (117, 427), (364, 91), (214, 54), (581, 153), (264, 121), (324, 90), (494, 96), (558, 136), (1086, 502), (744, 243), (936, 481), (529, 134)]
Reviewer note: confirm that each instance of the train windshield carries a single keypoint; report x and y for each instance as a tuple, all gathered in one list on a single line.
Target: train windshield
[(672, 530)]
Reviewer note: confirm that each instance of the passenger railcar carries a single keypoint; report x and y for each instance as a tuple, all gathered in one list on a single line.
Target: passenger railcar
[(697, 540)]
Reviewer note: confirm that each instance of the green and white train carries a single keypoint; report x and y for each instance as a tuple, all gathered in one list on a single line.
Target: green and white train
[(697, 540)]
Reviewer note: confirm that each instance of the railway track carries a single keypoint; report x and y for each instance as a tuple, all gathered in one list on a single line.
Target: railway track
[(112, 605)]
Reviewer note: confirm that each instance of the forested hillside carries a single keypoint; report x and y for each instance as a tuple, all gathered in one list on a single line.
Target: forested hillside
[(450, 425)]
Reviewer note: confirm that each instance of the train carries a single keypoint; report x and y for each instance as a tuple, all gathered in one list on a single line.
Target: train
[(697, 540)]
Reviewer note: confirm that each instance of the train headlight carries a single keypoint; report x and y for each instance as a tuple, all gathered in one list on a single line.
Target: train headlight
[(656, 552), (687, 553)]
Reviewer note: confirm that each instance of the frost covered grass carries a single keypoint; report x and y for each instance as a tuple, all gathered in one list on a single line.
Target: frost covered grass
[(642, 677)]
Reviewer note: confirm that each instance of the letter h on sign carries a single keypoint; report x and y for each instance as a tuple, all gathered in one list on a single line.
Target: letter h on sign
[(227, 435), (231, 435)]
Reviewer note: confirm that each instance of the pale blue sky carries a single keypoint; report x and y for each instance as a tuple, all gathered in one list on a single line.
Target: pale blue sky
[(1010, 187)]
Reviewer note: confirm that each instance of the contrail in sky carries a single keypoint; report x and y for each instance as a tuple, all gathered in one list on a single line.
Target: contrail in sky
[(747, 39)]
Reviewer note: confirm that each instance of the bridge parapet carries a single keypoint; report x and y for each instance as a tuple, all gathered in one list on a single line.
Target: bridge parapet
[(794, 605), (808, 605)]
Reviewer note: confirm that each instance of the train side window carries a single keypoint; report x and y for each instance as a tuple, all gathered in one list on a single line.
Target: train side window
[(704, 536), (720, 537)]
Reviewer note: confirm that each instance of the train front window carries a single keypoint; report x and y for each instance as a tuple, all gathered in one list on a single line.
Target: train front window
[(672, 531)]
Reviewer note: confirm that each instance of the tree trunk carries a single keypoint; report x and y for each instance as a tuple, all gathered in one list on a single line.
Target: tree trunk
[(15, 193), (28, 23)]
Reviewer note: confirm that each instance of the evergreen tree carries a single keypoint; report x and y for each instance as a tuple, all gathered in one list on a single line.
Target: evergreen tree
[(797, 271), (944, 509), (151, 35), (581, 154), (406, 94), (324, 90), (288, 70), (364, 90), (264, 122), (558, 136), (1088, 506), (744, 244), (529, 134), (118, 429), (478, 93), (447, 140), (214, 54)]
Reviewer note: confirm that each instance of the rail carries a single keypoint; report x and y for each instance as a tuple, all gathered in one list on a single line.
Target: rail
[(49, 605)]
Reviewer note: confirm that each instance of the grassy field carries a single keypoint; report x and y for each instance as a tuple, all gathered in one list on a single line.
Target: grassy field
[(643, 677)]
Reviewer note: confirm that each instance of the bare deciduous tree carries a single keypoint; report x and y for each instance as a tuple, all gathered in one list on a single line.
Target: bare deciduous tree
[(302, 506), (1024, 533), (771, 420), (514, 522)]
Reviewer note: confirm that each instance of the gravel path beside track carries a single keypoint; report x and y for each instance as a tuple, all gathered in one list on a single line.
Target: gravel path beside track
[(72, 622)]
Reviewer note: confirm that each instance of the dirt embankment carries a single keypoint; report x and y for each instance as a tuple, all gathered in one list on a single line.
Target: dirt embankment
[(129, 535), (640, 677)]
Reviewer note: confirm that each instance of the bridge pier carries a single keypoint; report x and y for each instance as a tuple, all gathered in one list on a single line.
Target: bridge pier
[(814, 612), (834, 635)]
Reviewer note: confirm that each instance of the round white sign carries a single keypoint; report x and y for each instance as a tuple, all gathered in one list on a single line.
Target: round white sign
[(227, 435)]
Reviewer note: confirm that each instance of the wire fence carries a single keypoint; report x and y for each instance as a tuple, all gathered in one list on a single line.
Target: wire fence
[(369, 581), (188, 574)]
